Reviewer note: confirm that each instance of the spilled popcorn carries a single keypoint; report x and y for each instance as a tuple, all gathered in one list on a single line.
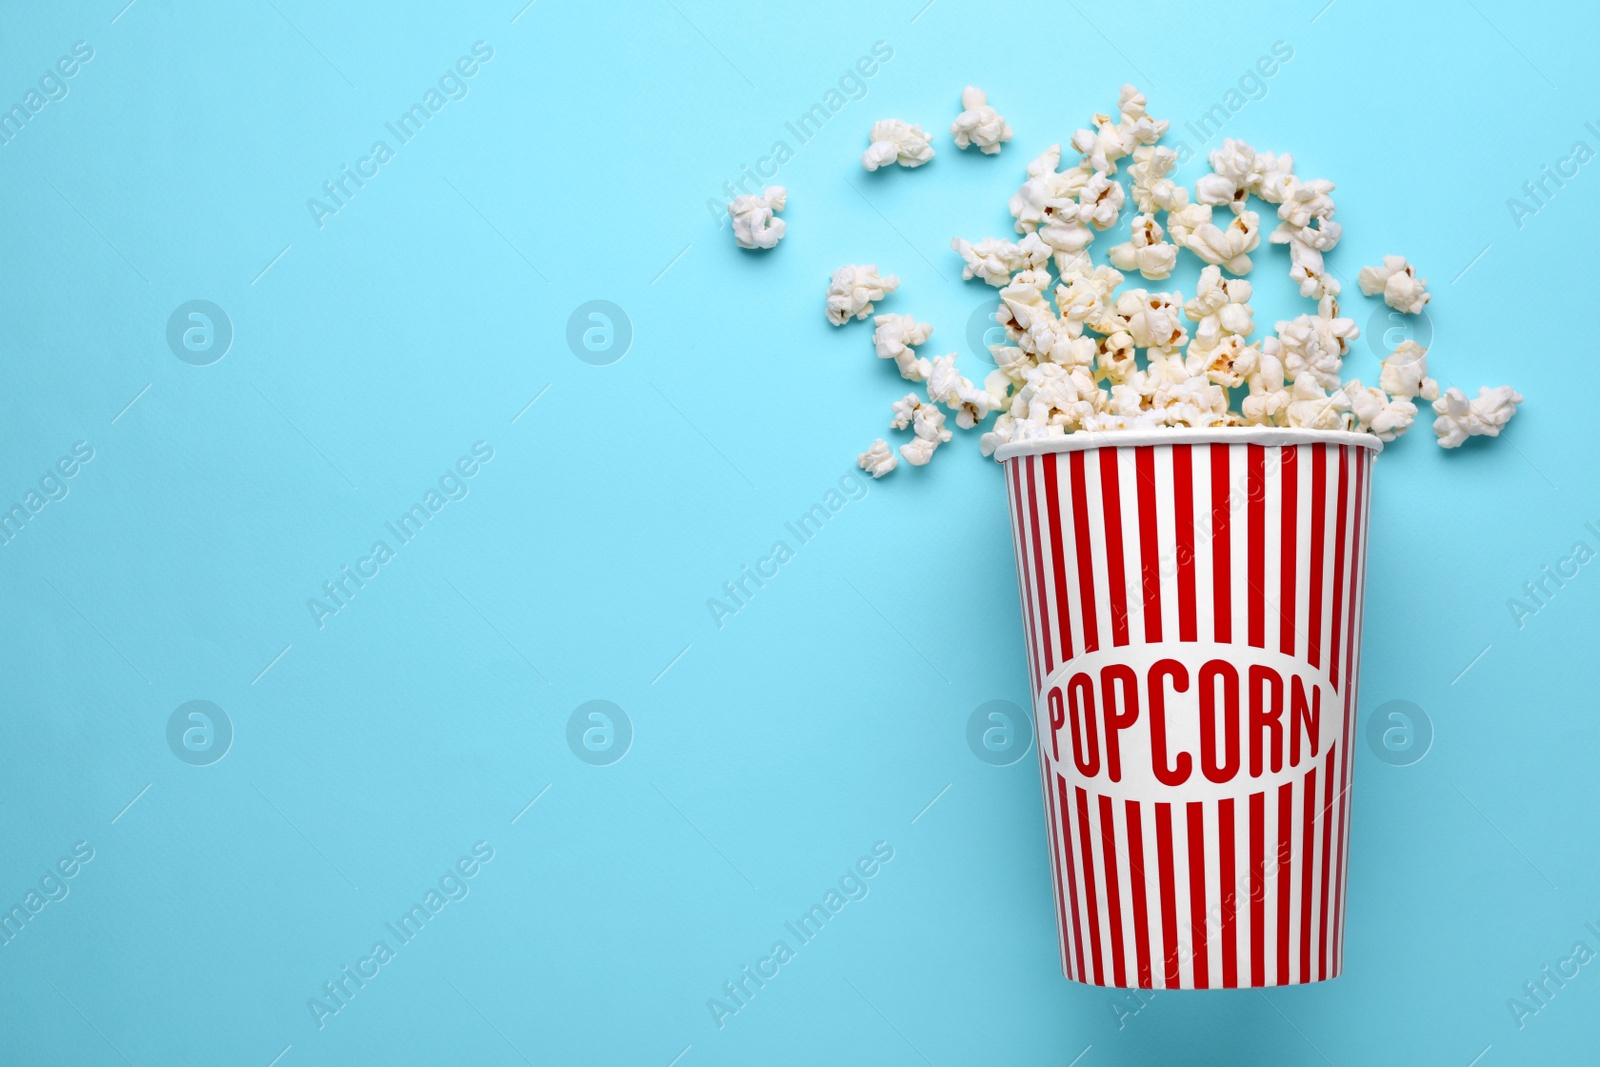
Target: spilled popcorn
[(1085, 353)]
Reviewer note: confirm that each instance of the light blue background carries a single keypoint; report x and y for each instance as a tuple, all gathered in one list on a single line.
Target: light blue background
[(768, 754)]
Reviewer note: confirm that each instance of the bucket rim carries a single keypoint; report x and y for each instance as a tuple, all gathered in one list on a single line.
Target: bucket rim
[(1082, 440)]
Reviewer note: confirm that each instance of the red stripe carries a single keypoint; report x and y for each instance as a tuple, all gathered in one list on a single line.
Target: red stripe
[(1283, 880), (1169, 896), (1258, 889), (1038, 568), (1015, 478), (1256, 563), (1338, 566), (1183, 494), (1356, 583), (1319, 522), (1199, 939), (1221, 564), (1228, 894), (1108, 850), (1308, 853), (1144, 459), (1290, 482), (1064, 808), (1327, 843), (1056, 859), (1141, 911), (1058, 568), (1080, 529), (1116, 575), (1089, 886)]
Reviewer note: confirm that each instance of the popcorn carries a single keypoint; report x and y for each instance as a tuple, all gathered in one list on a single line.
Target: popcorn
[(1312, 408), (878, 460), (1227, 247), (753, 222), (1083, 354), (1375, 412), (1306, 245), (1313, 345), (1146, 252), (1405, 373), (1152, 189), (894, 338), (894, 141), (1046, 189), (979, 124), (926, 422), (946, 386), (1153, 319), (1232, 166), (1107, 143), (1456, 418), (853, 289), (1272, 177), (1398, 282), (995, 260)]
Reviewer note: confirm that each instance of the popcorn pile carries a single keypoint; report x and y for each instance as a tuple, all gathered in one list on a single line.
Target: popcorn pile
[(1084, 354)]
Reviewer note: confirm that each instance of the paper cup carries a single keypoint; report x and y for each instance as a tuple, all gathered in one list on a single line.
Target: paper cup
[(1192, 600)]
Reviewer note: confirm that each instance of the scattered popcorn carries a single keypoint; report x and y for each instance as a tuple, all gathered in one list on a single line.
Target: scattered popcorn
[(1398, 282), (995, 260), (894, 141), (878, 460), (1081, 353), (853, 289), (1456, 418), (753, 222), (979, 124), (894, 339)]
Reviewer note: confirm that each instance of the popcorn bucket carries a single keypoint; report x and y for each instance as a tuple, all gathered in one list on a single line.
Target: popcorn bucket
[(1192, 600)]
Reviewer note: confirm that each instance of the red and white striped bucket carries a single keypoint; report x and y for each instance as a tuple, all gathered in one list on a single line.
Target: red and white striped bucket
[(1192, 600)]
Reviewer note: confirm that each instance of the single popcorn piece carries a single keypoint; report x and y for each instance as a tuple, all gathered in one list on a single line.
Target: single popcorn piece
[(1272, 177), (753, 223), (894, 141), (1232, 166), (1311, 407), (946, 386), (1227, 247), (1398, 282), (1153, 190), (878, 460), (1102, 146), (979, 124), (894, 338), (1047, 189), (1306, 245), (995, 260), (1147, 252), (1405, 373), (853, 289), (1456, 418), (926, 422)]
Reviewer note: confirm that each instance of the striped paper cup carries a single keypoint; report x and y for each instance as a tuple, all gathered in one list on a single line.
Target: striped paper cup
[(1192, 600)]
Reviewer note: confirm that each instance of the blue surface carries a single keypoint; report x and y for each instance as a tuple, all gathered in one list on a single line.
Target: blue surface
[(373, 748)]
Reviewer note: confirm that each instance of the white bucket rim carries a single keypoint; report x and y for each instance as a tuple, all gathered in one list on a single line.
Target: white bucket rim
[(1081, 440)]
